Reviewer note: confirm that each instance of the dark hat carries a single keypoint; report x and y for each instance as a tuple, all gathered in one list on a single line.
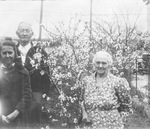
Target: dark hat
[(8, 42)]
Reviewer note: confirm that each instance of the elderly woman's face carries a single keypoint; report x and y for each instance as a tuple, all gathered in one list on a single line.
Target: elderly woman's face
[(101, 66)]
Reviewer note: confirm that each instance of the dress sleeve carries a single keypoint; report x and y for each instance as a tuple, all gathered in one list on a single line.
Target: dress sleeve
[(124, 98), (26, 94)]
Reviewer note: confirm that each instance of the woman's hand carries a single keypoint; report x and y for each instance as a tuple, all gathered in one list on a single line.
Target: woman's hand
[(13, 115), (85, 116), (86, 120), (5, 119)]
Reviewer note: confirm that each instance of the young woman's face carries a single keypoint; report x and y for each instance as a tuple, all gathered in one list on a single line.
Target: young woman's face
[(7, 55)]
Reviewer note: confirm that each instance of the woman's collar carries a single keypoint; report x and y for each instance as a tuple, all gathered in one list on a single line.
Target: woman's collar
[(95, 74), (3, 66)]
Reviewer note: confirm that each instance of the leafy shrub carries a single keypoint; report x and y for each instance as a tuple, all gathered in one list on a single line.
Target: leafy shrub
[(71, 52)]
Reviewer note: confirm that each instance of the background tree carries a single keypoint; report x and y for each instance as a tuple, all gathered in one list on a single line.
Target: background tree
[(70, 54)]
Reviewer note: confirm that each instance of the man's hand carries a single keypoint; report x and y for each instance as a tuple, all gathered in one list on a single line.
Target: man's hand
[(13, 115)]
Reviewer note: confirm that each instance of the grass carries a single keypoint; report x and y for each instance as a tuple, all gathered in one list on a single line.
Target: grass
[(135, 121)]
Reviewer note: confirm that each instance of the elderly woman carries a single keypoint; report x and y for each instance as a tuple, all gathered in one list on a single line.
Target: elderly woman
[(15, 87), (107, 98)]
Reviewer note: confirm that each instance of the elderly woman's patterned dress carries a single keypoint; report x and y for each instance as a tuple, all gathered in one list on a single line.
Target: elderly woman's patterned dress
[(106, 102)]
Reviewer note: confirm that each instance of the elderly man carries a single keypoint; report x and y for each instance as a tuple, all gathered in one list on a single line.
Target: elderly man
[(39, 75), (15, 86), (24, 33), (107, 98), (40, 82)]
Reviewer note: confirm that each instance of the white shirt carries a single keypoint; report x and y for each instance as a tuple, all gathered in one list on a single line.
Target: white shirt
[(23, 50)]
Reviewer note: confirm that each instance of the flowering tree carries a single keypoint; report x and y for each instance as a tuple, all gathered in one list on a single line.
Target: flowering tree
[(70, 53), (68, 56)]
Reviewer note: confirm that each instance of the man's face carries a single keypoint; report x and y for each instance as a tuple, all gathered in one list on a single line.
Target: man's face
[(24, 33), (7, 55), (101, 66)]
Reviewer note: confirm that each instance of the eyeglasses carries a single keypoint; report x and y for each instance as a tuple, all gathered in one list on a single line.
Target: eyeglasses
[(25, 31)]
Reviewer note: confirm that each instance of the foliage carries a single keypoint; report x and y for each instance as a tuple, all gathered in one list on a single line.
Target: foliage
[(70, 53)]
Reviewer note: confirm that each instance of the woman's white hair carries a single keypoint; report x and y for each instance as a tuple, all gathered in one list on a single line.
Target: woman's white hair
[(103, 54)]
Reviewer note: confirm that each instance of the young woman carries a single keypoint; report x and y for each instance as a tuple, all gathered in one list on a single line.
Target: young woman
[(15, 87)]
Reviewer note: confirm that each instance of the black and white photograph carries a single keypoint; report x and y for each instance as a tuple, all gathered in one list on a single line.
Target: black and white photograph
[(74, 64)]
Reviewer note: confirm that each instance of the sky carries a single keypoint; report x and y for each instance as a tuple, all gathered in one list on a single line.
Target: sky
[(12, 12)]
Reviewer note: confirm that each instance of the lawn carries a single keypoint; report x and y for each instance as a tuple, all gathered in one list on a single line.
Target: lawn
[(135, 121)]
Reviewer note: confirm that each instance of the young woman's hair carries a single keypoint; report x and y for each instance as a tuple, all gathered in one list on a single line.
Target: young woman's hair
[(9, 42)]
